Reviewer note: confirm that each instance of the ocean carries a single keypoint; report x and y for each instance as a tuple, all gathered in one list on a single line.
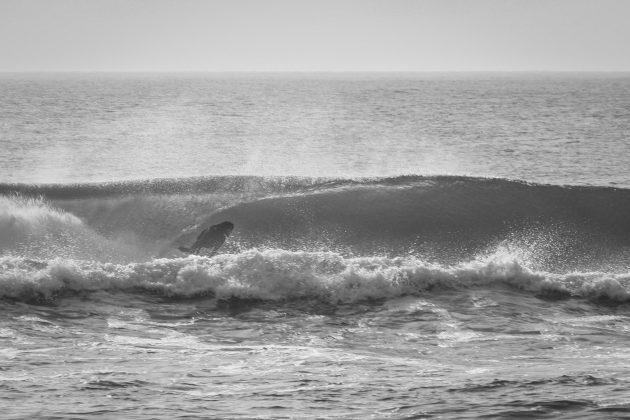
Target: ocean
[(406, 246)]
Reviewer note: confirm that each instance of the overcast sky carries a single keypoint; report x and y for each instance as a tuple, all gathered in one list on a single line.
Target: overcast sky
[(314, 35)]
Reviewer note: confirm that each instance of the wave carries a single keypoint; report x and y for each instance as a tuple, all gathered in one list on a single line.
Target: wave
[(444, 219), (284, 276), (455, 215)]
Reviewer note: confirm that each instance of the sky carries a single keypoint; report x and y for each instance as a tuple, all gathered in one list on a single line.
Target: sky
[(314, 35)]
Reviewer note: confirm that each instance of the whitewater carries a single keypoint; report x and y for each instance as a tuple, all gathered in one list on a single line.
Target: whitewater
[(405, 246)]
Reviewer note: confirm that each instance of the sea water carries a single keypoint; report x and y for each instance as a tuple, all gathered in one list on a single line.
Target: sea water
[(406, 245)]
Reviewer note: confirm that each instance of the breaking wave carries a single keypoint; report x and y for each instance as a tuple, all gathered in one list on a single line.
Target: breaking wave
[(336, 240), (281, 276), (448, 219)]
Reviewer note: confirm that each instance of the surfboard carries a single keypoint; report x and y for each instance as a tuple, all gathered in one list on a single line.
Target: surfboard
[(185, 250)]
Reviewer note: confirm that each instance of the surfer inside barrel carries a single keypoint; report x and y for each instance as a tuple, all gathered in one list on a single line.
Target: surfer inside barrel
[(211, 238)]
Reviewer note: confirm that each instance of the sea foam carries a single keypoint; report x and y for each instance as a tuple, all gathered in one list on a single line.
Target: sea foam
[(279, 275)]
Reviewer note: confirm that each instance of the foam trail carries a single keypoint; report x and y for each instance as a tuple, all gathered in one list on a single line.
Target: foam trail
[(281, 276)]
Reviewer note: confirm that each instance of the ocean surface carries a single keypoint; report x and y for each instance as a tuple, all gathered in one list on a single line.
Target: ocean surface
[(406, 246)]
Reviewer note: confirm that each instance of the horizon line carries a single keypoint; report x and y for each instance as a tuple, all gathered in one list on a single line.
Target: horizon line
[(297, 71)]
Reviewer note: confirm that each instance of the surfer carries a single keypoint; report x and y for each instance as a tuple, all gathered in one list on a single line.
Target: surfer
[(211, 238)]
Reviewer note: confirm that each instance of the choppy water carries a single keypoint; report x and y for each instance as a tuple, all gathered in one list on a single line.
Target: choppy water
[(451, 246)]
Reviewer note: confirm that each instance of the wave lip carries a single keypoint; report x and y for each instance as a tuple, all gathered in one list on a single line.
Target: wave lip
[(172, 186), (281, 276)]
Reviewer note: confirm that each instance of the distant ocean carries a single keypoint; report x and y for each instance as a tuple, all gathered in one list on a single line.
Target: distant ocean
[(405, 245)]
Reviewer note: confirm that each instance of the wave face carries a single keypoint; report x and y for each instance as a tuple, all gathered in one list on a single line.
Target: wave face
[(447, 217), (291, 230), (450, 217)]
